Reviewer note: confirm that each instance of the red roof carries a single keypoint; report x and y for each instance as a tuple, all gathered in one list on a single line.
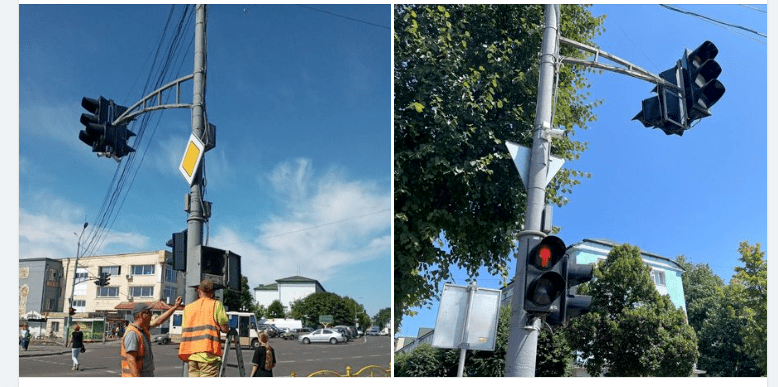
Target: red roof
[(156, 305)]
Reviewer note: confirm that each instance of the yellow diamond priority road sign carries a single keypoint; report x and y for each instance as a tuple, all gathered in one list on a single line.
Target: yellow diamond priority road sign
[(192, 157)]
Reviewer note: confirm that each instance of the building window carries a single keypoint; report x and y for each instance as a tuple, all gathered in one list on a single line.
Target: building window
[(79, 303), (170, 275), (142, 269), (142, 291), (55, 326), (81, 276), (112, 270), (105, 291), (170, 294), (658, 277), (52, 304)]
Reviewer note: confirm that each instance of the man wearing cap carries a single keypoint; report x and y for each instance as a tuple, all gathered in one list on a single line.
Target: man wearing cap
[(137, 359), (200, 338)]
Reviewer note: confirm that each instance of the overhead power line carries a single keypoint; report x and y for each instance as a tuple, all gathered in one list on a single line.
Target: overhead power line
[(342, 16), (710, 19)]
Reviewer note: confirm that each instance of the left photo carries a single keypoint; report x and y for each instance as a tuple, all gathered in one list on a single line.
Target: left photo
[(205, 190)]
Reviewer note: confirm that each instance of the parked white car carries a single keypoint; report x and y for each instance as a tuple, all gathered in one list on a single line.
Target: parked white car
[(322, 336)]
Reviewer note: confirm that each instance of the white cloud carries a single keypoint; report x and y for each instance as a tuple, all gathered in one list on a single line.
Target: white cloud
[(50, 231), (323, 225)]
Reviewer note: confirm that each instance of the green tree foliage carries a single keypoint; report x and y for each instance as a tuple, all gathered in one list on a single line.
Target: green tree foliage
[(357, 311), (752, 277), (423, 361), (465, 82), (382, 317), (553, 356), (722, 346), (732, 320), (243, 300), (341, 309), (276, 309), (631, 330), (260, 311), (702, 291)]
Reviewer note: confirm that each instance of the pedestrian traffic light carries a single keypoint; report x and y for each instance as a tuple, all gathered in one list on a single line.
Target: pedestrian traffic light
[(178, 244), (572, 305), (71, 311), (666, 110), (544, 279), (702, 88)]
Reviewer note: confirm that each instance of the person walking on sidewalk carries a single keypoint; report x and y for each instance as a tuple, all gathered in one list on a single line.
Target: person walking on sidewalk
[(137, 358), (200, 339), (76, 344), (25, 337)]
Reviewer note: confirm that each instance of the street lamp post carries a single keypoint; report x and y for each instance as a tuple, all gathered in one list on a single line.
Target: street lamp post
[(73, 285)]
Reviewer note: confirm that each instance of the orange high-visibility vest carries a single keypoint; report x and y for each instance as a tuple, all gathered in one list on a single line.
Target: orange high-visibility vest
[(200, 332), (141, 352)]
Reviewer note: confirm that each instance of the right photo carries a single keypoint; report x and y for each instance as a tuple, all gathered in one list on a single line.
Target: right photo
[(580, 190)]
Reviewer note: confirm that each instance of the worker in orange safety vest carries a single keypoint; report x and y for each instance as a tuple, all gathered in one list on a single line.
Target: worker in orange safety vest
[(136, 355), (200, 339)]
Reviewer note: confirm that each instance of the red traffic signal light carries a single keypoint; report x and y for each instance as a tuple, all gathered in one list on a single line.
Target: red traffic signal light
[(544, 280)]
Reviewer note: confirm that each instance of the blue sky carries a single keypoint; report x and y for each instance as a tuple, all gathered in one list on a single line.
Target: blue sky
[(300, 179), (699, 195)]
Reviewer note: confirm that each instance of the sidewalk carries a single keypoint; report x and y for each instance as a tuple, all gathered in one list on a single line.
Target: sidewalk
[(55, 348)]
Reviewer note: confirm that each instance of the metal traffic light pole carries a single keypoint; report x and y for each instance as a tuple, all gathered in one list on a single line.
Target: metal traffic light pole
[(196, 216), (523, 336)]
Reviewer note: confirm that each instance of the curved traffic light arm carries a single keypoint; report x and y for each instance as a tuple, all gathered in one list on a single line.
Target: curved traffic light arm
[(628, 69), (153, 101)]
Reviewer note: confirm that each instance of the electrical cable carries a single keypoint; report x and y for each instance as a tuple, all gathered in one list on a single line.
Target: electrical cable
[(342, 16), (712, 20)]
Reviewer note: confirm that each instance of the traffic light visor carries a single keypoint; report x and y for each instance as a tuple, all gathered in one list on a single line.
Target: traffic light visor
[(711, 94), (706, 51), (548, 253)]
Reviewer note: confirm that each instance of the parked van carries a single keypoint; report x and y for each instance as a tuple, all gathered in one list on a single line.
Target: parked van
[(245, 323)]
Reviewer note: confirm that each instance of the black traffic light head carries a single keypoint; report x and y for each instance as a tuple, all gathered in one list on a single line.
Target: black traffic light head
[(667, 110), (95, 122), (572, 305), (71, 311), (701, 85), (100, 133), (178, 243), (544, 280), (103, 279)]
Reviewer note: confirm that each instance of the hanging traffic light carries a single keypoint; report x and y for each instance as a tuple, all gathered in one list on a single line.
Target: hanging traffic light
[(572, 305), (544, 280), (119, 134), (702, 88), (94, 123), (100, 133), (666, 110)]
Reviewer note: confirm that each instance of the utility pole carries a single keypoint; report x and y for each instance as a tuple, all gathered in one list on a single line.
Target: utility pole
[(73, 286), (196, 214), (523, 336)]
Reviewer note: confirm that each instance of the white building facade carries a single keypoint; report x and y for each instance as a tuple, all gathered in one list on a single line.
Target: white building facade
[(287, 290)]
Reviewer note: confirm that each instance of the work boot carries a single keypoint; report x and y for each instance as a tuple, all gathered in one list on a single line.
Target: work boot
[(74, 368)]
